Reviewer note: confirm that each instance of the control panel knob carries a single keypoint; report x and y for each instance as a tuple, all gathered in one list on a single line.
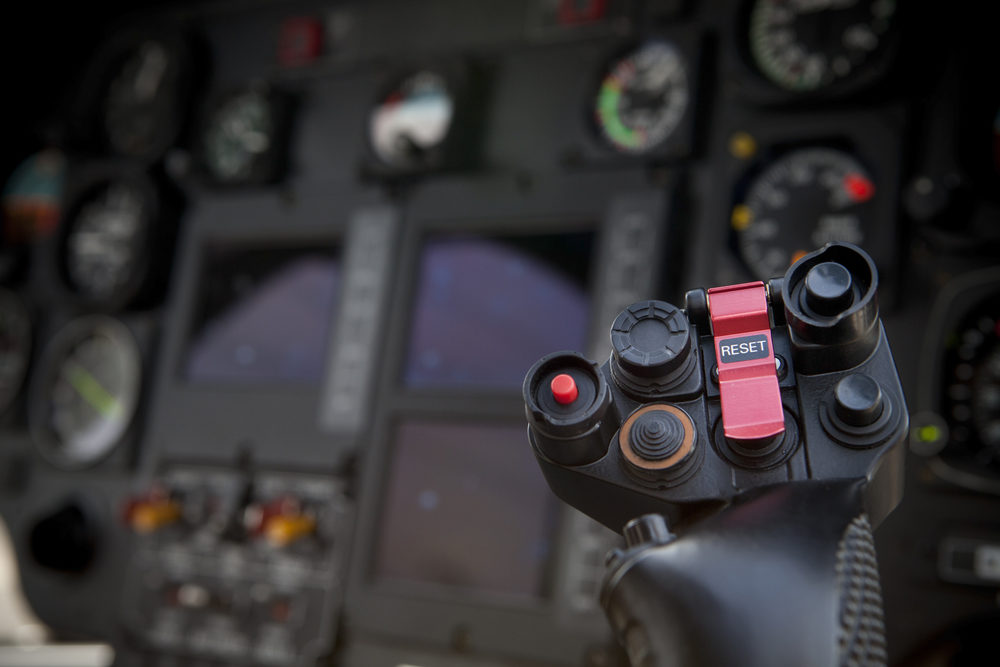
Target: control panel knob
[(651, 348)]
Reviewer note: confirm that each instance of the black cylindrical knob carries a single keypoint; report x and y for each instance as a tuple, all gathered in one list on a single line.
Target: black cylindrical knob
[(569, 409), (858, 400), (828, 288), (649, 529), (656, 435), (696, 304), (831, 309), (651, 348)]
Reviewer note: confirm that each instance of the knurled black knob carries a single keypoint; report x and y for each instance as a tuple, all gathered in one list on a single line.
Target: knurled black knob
[(828, 288), (858, 400), (651, 347)]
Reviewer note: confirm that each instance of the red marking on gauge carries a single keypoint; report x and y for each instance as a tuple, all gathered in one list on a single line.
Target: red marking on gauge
[(859, 188), (564, 389)]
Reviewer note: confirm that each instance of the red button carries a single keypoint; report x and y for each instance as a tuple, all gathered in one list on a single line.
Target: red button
[(564, 389)]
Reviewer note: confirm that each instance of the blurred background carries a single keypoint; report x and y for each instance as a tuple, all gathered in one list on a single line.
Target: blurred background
[(272, 274)]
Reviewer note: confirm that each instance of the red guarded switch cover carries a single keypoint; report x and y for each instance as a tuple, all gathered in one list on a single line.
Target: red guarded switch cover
[(748, 380)]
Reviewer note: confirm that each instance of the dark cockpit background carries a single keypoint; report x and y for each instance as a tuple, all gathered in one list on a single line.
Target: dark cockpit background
[(272, 274)]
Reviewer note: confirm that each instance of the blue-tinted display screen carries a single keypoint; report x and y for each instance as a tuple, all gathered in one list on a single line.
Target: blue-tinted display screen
[(487, 308), (264, 316), (467, 506)]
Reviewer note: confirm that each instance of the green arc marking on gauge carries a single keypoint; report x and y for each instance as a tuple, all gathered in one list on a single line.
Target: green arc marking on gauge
[(607, 106), (91, 391)]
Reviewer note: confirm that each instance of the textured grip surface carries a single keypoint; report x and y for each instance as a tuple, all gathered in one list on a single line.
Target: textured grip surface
[(861, 638)]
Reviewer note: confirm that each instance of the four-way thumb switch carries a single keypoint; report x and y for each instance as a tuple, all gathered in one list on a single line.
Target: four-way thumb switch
[(652, 352)]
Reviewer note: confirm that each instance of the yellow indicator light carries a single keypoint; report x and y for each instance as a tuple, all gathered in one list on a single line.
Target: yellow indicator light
[(150, 516), (741, 218), (742, 146), (283, 530), (799, 254)]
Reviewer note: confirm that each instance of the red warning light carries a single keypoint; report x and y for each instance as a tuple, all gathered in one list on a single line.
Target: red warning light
[(858, 188), (564, 389), (579, 12), (300, 41)]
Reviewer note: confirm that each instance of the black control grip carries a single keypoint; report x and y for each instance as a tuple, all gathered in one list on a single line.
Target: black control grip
[(785, 576)]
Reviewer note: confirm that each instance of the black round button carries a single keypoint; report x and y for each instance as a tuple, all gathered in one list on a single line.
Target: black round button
[(650, 339), (656, 435), (828, 288), (858, 400)]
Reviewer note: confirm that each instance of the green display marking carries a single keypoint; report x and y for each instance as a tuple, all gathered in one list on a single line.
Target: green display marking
[(87, 386)]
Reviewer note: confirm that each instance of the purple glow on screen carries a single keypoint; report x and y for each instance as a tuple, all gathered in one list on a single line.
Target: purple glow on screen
[(466, 506), (488, 308), (264, 318)]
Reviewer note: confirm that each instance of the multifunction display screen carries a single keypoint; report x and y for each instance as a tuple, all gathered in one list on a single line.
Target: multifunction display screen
[(466, 506), (265, 315), (487, 307)]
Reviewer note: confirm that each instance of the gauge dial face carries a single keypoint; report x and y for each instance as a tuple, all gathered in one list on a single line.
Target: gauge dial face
[(15, 347), (143, 100), (970, 399), (87, 391), (107, 241), (412, 120), (809, 45), (240, 134), (643, 98), (805, 199)]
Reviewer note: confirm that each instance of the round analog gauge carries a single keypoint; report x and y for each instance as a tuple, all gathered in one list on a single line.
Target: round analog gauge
[(107, 241), (643, 98), (241, 138), (15, 347), (805, 199), (86, 392), (810, 45), (143, 100), (970, 398), (412, 121)]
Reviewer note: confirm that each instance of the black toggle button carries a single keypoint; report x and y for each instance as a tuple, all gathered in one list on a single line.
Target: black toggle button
[(828, 288), (656, 435), (858, 400)]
